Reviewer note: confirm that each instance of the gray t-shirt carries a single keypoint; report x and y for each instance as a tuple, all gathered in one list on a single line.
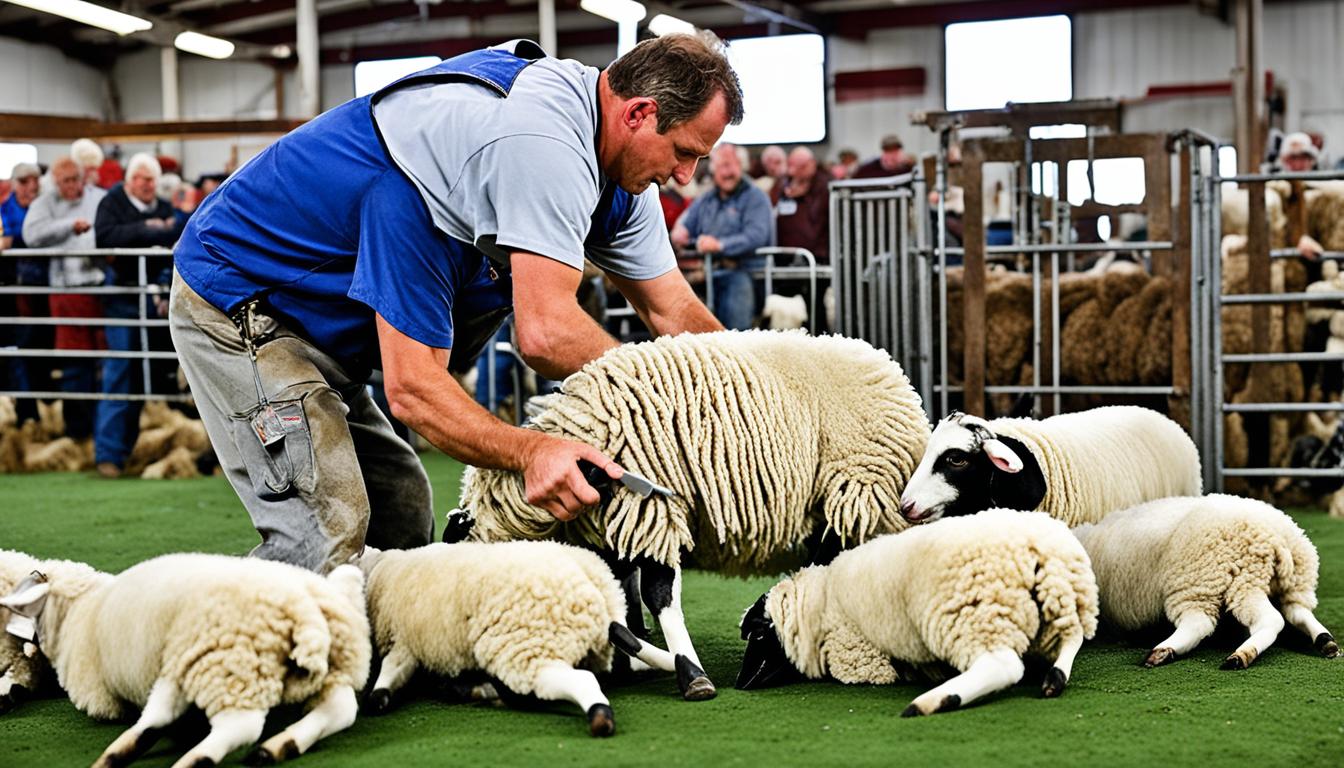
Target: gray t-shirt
[(520, 173)]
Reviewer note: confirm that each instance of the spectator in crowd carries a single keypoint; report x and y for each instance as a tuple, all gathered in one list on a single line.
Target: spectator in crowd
[(208, 183), (729, 222), (770, 168), (27, 374), (803, 206), (63, 218), (89, 157), (893, 161), (131, 216), (847, 161), (1299, 153)]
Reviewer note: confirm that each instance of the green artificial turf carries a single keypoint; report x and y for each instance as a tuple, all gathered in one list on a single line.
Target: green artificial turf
[(1287, 709)]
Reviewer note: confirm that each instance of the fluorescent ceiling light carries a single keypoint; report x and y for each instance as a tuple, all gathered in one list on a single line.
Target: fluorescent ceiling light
[(88, 13), (616, 10), (662, 24), (203, 45)]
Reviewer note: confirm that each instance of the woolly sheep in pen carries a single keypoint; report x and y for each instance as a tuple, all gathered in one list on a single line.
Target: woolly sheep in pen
[(235, 637), (1076, 467), (977, 593), (766, 439), (20, 673), (548, 616), (1189, 559)]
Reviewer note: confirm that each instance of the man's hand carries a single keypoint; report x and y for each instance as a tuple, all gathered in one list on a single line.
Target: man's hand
[(667, 305), (708, 244), (80, 226), (554, 481), (1309, 248)]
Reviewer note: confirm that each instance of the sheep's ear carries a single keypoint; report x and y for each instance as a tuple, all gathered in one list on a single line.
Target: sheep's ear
[(1003, 457), (25, 604)]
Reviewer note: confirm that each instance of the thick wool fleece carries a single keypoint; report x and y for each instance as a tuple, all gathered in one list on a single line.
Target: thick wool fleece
[(1206, 554), (509, 609), (14, 665), (234, 633), (761, 435), (1105, 459), (947, 592)]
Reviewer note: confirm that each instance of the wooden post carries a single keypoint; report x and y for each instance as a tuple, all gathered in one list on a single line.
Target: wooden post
[(1178, 405), (1257, 281), (1157, 201), (973, 281)]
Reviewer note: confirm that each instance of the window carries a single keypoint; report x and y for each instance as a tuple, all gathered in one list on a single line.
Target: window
[(783, 89), (13, 154), (990, 63), (1119, 181), (372, 75)]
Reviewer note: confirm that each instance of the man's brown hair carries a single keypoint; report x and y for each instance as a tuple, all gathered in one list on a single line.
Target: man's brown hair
[(681, 73)]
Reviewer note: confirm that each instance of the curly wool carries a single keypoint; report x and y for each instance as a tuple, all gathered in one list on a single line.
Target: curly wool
[(761, 435), (233, 633), (1106, 459), (1207, 554), (946, 592), (546, 602)]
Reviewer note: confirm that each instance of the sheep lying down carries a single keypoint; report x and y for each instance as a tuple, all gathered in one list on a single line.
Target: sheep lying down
[(21, 673), (537, 616), (1189, 559), (234, 637), (976, 592)]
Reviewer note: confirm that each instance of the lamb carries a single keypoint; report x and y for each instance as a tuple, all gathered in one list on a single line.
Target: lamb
[(231, 636), (976, 592), (1076, 467), (1189, 559), (549, 609), (767, 439), (20, 673)]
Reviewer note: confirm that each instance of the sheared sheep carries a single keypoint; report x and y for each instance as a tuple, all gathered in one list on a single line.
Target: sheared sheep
[(975, 592)]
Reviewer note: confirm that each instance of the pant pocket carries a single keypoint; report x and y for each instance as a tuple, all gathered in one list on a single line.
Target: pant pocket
[(284, 467)]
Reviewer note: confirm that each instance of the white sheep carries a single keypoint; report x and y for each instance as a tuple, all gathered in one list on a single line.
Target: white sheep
[(767, 440), (538, 611), (975, 592), (234, 637), (1076, 467), (20, 673), (1189, 559)]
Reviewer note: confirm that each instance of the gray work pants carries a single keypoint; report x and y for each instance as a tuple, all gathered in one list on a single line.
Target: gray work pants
[(340, 475)]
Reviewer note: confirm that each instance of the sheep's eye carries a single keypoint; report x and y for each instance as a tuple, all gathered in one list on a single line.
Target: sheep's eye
[(956, 459)]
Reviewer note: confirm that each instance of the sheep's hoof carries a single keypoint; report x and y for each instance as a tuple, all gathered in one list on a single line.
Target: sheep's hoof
[(601, 721), (1326, 645), (1054, 683), (1158, 657), (379, 701), (912, 711), (203, 762), (260, 755), (950, 702), (1235, 661), (695, 685)]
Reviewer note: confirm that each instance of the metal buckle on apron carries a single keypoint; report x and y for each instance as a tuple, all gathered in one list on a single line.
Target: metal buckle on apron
[(265, 423)]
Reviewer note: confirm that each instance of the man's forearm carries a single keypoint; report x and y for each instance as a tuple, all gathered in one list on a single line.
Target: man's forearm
[(557, 346), (689, 315)]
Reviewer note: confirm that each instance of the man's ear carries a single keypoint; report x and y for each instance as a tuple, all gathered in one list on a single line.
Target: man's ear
[(639, 109)]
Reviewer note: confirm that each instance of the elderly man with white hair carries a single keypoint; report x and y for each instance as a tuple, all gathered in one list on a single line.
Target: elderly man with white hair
[(130, 216), (63, 218)]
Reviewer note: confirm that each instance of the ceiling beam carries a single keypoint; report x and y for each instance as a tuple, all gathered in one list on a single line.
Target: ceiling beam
[(47, 128)]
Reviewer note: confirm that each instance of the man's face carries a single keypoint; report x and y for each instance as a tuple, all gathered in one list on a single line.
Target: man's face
[(69, 181), (653, 158), (1299, 162), (141, 185), (774, 163), (25, 190), (727, 168), (802, 167)]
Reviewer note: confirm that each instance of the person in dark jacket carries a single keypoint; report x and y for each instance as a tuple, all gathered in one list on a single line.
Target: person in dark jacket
[(131, 216)]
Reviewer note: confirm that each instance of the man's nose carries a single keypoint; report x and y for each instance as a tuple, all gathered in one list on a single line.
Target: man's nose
[(684, 173)]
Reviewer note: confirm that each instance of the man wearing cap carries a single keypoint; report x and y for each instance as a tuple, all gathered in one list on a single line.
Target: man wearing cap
[(892, 162), (26, 374), (1298, 153), (431, 209)]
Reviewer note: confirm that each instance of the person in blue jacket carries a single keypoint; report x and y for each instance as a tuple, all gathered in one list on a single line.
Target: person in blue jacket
[(397, 231)]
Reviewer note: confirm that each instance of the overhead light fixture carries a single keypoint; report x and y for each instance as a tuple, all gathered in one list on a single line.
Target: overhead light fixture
[(203, 45), (627, 11), (282, 51), (662, 24), (88, 13)]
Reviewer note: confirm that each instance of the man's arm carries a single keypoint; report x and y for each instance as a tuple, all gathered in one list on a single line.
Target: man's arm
[(555, 336), (425, 397), (667, 305), (41, 228)]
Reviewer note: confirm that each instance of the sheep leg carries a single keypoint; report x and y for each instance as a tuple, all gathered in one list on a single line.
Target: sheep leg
[(660, 586), (1191, 629), (398, 666), (335, 711), (558, 681), (229, 730), (648, 654), (1058, 676), (1265, 624), (164, 705), (991, 671), (1300, 616), (12, 692)]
